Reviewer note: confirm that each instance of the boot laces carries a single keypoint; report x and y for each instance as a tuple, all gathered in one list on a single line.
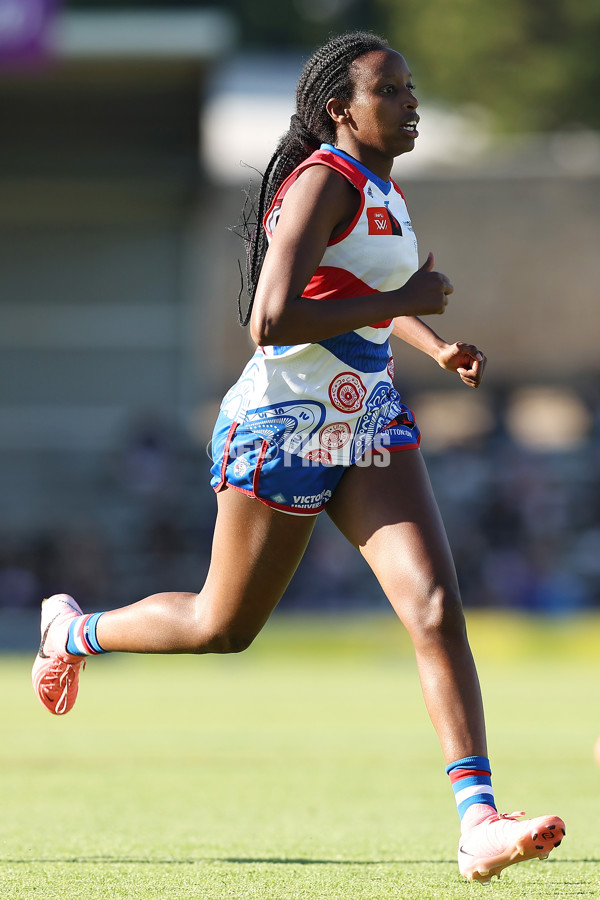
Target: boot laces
[(59, 677)]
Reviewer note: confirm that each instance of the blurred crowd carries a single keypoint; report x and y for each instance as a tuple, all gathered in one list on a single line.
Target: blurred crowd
[(524, 528)]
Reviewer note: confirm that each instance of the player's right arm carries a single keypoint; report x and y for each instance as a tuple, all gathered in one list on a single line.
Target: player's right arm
[(319, 204)]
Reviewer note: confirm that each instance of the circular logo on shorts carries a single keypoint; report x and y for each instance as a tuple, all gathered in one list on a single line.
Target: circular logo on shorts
[(335, 436), (390, 367), (240, 466), (319, 456), (347, 392)]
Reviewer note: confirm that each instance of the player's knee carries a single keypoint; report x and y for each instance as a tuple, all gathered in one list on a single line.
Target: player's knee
[(236, 642), (440, 615), (225, 640)]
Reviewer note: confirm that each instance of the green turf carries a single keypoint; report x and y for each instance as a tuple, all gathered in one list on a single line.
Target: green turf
[(304, 768)]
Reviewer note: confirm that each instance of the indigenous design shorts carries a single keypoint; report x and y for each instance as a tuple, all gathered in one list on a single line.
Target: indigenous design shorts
[(243, 460)]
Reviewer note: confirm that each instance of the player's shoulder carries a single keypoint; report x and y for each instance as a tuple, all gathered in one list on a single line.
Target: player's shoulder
[(321, 174), (324, 189)]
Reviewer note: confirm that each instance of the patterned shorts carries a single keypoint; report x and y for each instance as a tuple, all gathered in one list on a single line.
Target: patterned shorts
[(243, 460)]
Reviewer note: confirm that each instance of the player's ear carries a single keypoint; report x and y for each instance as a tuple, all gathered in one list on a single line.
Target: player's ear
[(338, 110)]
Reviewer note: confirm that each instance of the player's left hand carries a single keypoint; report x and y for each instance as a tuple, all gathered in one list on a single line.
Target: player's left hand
[(466, 360)]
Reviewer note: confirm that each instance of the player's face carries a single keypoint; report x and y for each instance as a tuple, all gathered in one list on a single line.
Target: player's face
[(382, 111)]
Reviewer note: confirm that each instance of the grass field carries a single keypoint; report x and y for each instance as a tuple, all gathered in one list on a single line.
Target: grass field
[(304, 768)]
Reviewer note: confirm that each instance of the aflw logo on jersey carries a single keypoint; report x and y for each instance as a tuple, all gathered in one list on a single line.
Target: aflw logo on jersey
[(381, 221)]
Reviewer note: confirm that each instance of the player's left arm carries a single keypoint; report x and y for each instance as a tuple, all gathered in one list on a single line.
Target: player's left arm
[(465, 359)]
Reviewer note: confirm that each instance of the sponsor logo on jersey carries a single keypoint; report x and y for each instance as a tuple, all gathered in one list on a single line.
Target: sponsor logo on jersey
[(382, 221), (347, 392), (335, 436), (390, 367)]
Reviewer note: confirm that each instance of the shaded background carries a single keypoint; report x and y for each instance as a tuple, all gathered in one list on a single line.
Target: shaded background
[(130, 131)]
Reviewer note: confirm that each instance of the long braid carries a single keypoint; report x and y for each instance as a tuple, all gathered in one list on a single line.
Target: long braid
[(327, 74)]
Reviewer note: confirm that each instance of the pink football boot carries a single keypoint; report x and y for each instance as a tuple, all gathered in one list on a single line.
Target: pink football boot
[(500, 841), (55, 673)]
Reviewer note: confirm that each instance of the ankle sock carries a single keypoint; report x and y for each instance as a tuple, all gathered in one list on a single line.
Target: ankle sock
[(82, 640), (471, 780)]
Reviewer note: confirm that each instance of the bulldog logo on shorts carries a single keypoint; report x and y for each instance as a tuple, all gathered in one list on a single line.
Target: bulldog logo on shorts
[(335, 436), (347, 392), (240, 466)]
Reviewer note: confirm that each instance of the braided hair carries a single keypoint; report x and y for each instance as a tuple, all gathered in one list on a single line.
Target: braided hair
[(327, 74)]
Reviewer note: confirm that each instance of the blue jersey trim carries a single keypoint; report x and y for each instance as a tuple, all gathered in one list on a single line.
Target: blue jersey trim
[(384, 186), (357, 352), (280, 349)]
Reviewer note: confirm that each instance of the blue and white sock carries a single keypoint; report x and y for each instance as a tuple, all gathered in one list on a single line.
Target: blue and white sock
[(471, 780), (82, 640)]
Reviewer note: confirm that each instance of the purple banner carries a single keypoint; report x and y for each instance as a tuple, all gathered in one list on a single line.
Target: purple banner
[(25, 31)]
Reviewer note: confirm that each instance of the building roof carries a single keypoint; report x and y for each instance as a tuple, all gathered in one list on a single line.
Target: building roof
[(176, 34)]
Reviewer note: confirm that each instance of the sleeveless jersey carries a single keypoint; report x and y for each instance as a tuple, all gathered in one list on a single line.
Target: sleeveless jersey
[(327, 401)]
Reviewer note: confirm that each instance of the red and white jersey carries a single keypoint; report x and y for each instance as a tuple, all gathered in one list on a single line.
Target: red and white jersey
[(328, 400), (378, 249)]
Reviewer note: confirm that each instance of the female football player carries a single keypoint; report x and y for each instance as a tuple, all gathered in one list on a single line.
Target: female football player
[(315, 423)]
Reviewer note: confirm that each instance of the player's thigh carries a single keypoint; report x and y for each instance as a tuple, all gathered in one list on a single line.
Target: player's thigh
[(255, 552), (390, 513)]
